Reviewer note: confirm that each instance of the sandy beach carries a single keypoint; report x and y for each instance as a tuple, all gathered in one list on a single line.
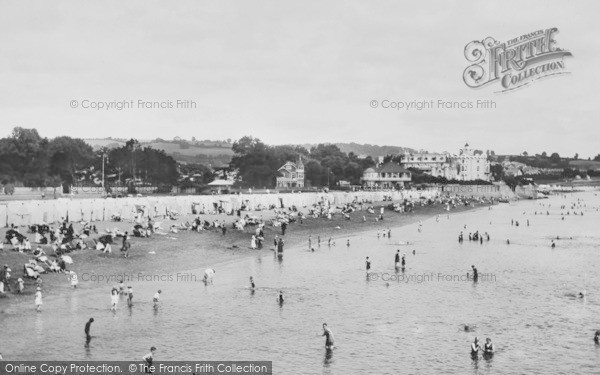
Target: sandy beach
[(185, 250)]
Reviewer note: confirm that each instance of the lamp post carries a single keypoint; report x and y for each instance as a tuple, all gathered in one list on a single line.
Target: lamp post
[(103, 158)]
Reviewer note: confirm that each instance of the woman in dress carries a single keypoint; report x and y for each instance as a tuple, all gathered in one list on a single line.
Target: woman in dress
[(253, 242)]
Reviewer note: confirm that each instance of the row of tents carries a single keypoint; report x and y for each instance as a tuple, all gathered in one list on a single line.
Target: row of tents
[(48, 211)]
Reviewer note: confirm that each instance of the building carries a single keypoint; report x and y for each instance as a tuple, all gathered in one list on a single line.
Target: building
[(291, 175), (471, 165), (434, 164), (466, 166), (388, 176)]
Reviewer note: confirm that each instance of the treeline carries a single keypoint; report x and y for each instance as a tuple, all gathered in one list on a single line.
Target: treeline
[(27, 159), (324, 164)]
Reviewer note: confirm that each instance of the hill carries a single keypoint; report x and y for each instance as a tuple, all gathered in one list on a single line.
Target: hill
[(218, 153), (367, 149), (215, 153)]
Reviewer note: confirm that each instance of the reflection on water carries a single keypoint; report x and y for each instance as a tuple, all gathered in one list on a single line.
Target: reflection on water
[(400, 322)]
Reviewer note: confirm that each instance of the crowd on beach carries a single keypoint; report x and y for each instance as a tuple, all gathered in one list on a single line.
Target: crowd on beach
[(66, 237)]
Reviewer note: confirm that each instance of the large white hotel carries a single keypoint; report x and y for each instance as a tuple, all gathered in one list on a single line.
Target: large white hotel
[(465, 166)]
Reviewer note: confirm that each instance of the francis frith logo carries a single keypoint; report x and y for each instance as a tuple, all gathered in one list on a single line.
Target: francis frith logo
[(515, 63)]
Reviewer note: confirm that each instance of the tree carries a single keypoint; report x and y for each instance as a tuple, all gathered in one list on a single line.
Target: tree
[(525, 153), (555, 157), (67, 155), (544, 154), (576, 156), (497, 171)]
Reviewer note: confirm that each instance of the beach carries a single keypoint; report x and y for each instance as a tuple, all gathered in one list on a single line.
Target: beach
[(172, 252), (389, 322)]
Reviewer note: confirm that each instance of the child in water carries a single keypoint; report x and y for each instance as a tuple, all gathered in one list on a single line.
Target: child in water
[(328, 337), (38, 299)]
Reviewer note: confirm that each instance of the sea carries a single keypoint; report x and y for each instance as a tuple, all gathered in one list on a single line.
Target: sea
[(420, 320)]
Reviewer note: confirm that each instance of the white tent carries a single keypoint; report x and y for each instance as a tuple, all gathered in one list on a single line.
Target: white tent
[(3, 213), (18, 214)]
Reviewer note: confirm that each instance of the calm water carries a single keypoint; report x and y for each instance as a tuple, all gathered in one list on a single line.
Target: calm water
[(412, 327)]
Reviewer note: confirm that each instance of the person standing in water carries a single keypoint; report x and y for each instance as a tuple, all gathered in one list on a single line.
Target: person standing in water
[(475, 273), (114, 299), (280, 298), (87, 328), (348, 243), (328, 337), (129, 296), (488, 347), (156, 298), (38, 299), (148, 358), (597, 338), (475, 348), (403, 261), (397, 259), (368, 264), (252, 286)]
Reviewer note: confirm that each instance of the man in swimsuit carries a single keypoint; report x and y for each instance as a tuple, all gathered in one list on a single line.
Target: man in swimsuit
[(280, 298), (397, 259), (475, 273), (148, 358), (87, 328), (328, 337), (368, 264), (129, 296), (475, 348)]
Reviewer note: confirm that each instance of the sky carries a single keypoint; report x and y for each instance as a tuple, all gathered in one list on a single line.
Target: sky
[(295, 72)]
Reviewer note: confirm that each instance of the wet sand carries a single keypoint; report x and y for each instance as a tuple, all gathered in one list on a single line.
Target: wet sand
[(185, 250)]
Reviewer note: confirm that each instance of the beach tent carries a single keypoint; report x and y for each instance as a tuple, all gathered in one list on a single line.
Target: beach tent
[(86, 209), (98, 209), (3, 213), (74, 210), (37, 211), (18, 214)]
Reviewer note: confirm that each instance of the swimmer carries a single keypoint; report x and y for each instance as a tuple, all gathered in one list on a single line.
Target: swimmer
[(280, 298), (397, 259), (488, 347), (414, 252), (156, 298), (328, 337), (468, 328), (475, 273), (597, 338), (368, 265), (252, 286), (129, 296), (553, 244), (348, 243), (403, 261), (87, 328), (475, 348)]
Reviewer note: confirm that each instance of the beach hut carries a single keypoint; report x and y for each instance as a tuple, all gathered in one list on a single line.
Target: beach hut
[(3, 213), (37, 212), (74, 210), (18, 214)]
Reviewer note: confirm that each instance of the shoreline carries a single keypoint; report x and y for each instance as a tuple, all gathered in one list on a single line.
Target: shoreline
[(187, 250)]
